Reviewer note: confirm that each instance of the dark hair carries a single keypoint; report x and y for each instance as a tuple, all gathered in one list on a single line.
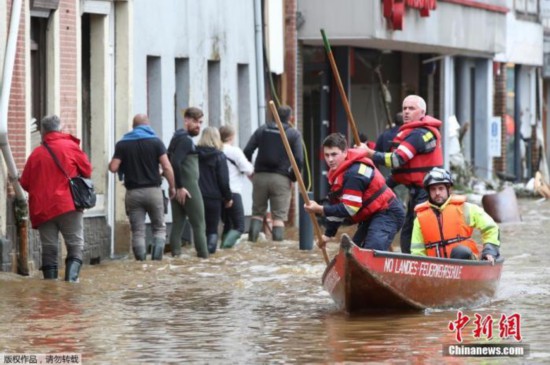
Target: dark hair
[(193, 112), (363, 137), (284, 112), (336, 140)]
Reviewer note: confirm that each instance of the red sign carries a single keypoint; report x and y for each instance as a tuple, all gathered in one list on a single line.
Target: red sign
[(394, 10)]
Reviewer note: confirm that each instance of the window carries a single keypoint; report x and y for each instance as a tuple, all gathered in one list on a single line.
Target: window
[(243, 104), (214, 92), (154, 92), (181, 99)]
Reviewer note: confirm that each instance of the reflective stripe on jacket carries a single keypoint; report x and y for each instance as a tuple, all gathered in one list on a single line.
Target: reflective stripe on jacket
[(360, 205), (444, 230), (413, 171)]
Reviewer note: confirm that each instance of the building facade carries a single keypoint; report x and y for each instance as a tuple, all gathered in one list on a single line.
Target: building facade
[(386, 50), (96, 63)]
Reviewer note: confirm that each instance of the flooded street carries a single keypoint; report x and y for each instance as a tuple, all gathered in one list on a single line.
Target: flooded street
[(260, 303)]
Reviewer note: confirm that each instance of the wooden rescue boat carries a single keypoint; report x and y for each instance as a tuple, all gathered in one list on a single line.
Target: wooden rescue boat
[(368, 280)]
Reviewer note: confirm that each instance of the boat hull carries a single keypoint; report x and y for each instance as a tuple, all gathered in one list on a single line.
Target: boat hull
[(363, 280)]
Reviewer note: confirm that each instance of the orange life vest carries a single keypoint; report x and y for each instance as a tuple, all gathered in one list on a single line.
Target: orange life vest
[(444, 231), (375, 198), (412, 173)]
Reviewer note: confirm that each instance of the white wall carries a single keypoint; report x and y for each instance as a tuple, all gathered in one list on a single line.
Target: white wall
[(449, 29), (200, 31), (524, 42)]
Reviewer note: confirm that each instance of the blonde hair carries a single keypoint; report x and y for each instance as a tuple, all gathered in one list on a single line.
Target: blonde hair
[(210, 137)]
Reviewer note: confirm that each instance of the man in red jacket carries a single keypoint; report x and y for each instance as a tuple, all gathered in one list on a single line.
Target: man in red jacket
[(51, 203), (358, 194), (416, 149)]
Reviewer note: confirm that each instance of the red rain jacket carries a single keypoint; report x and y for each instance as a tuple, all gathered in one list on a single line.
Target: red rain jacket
[(48, 188)]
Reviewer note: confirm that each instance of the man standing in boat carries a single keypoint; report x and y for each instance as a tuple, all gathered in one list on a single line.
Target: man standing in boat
[(358, 192), (444, 224), (416, 150)]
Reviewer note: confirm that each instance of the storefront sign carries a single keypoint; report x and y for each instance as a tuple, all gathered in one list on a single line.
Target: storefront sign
[(394, 10), (495, 138)]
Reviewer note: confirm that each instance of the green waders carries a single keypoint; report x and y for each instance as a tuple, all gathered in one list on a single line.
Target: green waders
[(193, 209)]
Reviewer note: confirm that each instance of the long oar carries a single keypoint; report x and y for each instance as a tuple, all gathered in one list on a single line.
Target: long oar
[(298, 176), (345, 101)]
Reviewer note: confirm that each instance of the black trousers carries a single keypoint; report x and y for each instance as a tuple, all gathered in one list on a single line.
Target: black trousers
[(233, 218), (212, 214)]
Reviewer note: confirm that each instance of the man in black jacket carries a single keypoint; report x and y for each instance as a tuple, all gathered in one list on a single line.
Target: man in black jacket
[(272, 173)]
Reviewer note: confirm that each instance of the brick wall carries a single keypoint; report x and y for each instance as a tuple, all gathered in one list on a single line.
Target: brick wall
[(68, 63), (291, 46), (96, 229), (499, 109), (18, 99)]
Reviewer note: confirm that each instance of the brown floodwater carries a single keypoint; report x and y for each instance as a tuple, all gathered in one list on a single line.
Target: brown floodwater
[(261, 303)]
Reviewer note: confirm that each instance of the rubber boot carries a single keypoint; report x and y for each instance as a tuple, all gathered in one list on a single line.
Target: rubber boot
[(212, 242), (254, 230), (158, 248), (49, 272), (72, 269), (230, 239), (278, 233), (140, 254)]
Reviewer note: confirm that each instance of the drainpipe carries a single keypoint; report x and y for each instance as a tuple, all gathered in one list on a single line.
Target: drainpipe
[(21, 207), (258, 25)]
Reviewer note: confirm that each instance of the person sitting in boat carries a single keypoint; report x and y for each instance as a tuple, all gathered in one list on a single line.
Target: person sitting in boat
[(358, 192), (444, 224)]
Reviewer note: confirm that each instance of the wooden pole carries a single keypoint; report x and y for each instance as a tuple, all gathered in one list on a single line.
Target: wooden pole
[(301, 185), (351, 121)]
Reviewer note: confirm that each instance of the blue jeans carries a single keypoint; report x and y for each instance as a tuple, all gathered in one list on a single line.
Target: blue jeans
[(377, 233)]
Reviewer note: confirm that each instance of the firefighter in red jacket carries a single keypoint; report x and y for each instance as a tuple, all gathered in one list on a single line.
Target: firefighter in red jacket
[(358, 193), (416, 149), (444, 224)]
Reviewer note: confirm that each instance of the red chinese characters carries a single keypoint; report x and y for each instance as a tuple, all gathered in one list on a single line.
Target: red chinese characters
[(484, 326), (509, 326), (457, 326)]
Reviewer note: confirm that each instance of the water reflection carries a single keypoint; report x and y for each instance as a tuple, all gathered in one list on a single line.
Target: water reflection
[(258, 303)]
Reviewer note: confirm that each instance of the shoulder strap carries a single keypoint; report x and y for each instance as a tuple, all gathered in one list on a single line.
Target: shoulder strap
[(55, 159)]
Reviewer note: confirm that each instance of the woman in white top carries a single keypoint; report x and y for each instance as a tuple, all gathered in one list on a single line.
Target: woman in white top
[(238, 166)]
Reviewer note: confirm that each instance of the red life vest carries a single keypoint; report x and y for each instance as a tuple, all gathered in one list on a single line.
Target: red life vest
[(375, 198), (439, 238), (412, 173)]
